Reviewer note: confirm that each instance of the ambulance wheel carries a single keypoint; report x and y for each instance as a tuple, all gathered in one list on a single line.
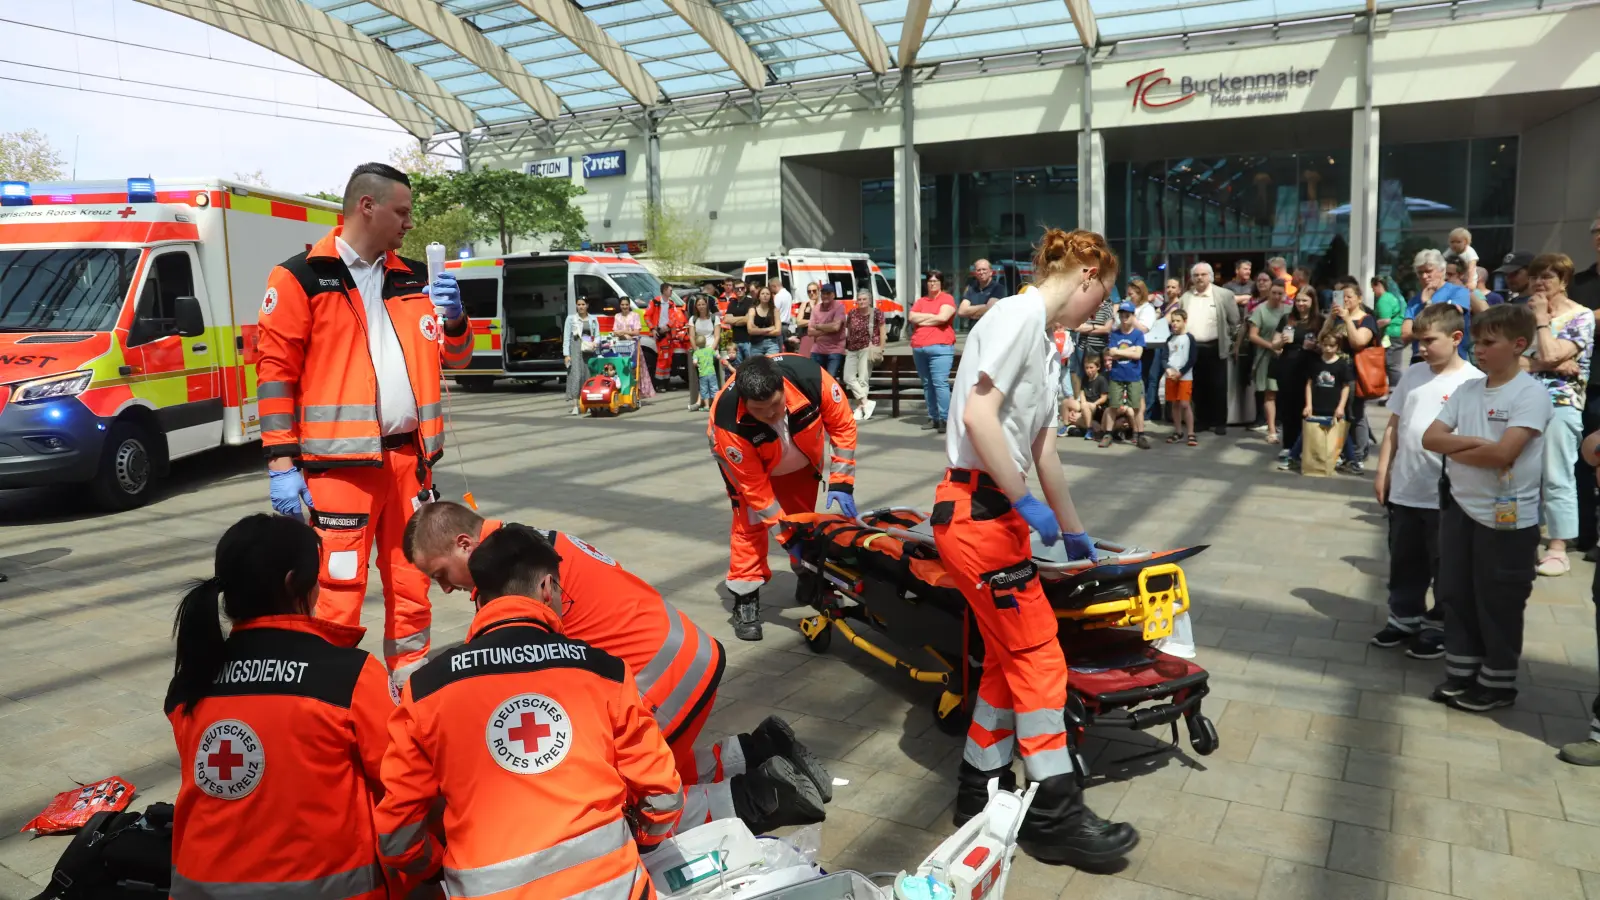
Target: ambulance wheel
[(822, 639), (127, 469), (894, 332), (1203, 735), (950, 714)]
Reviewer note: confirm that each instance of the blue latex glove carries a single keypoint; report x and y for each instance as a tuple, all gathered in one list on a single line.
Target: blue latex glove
[(847, 502), (1079, 545), (288, 490), (446, 296), (1040, 518)]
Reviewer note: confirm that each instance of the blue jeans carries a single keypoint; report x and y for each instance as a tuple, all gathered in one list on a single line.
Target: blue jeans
[(1155, 370), (1561, 439), (765, 346), (933, 367), (708, 387), (741, 352), (833, 362)]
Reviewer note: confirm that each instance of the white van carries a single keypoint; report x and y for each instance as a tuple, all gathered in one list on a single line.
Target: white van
[(854, 276), (518, 305)]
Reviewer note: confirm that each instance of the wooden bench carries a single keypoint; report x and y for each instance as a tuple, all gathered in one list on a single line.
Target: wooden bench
[(895, 379)]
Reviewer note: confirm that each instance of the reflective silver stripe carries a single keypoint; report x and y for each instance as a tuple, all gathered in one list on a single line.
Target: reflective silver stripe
[(1407, 624), (1037, 722), (338, 886), (1497, 673), (524, 870), (664, 803), (844, 453), (992, 718), (770, 511), (433, 444), (1460, 671), (1594, 729), (684, 690), (456, 342), (429, 411), (274, 390), (408, 644), (616, 889), (401, 839), (839, 468), (658, 665), (989, 758), (277, 422), (1040, 766), (656, 828), (338, 412), (742, 587), (340, 446), (1462, 660)]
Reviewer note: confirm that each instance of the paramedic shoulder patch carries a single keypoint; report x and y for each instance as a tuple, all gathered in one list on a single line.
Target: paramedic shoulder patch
[(529, 734), (229, 761), (430, 328), (269, 302), (592, 550), (838, 395), (733, 455)]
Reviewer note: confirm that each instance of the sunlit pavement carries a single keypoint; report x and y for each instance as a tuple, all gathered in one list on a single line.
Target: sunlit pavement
[(1336, 777)]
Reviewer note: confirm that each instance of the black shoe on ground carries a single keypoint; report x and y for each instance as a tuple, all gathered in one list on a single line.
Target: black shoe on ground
[(747, 618), (1428, 644), (1451, 688), (972, 789), (1482, 699), (1220, 430), (929, 425), (1140, 441), (1592, 555), (1391, 636), (1089, 842), (773, 737), (941, 428), (776, 794)]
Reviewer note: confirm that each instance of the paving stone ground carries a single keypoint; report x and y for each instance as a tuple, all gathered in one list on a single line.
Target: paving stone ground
[(1336, 777)]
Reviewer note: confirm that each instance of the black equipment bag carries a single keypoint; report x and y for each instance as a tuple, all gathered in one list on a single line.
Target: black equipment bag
[(117, 856)]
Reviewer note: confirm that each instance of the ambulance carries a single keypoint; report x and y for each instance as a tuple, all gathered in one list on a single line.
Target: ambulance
[(128, 324), (518, 305), (853, 276)]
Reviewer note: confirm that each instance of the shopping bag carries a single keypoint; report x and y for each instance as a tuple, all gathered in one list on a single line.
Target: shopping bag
[(1321, 443)]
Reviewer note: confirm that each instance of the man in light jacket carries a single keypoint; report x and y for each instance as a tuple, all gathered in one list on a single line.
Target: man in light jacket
[(1213, 324)]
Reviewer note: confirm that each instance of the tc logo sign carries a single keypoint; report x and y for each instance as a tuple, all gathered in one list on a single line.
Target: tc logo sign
[(1143, 84), (605, 165)]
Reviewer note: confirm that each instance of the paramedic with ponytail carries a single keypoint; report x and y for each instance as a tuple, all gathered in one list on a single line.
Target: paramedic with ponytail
[(1001, 412), (281, 729)]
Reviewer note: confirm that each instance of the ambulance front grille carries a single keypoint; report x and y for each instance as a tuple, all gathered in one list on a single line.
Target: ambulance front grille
[(55, 338)]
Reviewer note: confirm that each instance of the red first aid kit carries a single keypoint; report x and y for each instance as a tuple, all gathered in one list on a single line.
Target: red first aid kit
[(71, 810)]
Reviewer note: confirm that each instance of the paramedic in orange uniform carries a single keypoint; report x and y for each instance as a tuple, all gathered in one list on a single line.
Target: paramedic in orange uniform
[(351, 419), (767, 429), (552, 772), (671, 335), (1001, 412), (676, 666), (280, 727)]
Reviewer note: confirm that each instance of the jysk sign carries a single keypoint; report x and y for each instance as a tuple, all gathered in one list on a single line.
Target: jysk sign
[(1224, 90), (605, 165), (556, 167)]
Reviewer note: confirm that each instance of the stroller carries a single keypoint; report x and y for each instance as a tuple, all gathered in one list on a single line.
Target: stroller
[(882, 571), (607, 395)]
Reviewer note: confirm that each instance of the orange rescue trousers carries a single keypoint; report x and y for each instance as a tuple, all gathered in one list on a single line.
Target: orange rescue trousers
[(985, 546), (358, 507), (747, 540)]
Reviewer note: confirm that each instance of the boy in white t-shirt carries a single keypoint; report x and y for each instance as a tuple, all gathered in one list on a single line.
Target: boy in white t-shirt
[(1491, 433), (1407, 482)]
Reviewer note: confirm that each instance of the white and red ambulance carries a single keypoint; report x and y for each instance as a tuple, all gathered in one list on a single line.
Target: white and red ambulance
[(854, 277)]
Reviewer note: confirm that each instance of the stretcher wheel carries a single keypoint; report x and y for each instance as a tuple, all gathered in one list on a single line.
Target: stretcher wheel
[(950, 714), (1203, 735), (817, 632)]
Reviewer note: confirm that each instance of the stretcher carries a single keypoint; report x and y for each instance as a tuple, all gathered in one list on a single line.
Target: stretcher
[(881, 573)]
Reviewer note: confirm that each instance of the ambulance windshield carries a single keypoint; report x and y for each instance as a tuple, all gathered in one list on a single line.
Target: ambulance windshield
[(639, 286), (69, 289)]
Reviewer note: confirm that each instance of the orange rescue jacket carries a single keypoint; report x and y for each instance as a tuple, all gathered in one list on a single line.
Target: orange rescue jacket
[(280, 766), (316, 384), (676, 665), (748, 449), (549, 766)]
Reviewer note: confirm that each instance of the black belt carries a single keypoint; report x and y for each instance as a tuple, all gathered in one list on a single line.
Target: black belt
[(397, 441), (970, 476)]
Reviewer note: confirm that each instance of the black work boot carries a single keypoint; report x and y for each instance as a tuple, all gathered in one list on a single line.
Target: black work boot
[(747, 616), (1058, 828), (774, 738), (774, 795), (972, 789)]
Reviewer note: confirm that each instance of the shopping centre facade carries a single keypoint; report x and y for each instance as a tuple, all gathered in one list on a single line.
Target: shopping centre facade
[(1343, 144)]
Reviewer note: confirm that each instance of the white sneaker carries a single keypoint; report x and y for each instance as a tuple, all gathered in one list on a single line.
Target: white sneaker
[(856, 414), (870, 407)]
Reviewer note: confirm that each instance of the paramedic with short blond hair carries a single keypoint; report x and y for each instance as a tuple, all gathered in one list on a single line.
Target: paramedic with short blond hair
[(1001, 412)]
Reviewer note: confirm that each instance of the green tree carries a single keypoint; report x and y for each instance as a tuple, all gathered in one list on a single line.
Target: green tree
[(28, 155), (452, 228), (410, 159), (329, 196), (675, 237), (505, 204)]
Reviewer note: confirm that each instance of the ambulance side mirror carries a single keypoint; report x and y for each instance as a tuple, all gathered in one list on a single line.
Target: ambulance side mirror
[(190, 321)]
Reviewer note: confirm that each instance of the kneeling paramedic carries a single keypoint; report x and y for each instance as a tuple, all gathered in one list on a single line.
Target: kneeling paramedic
[(1000, 425), (552, 773), (767, 430), (280, 727), (351, 345), (766, 778)]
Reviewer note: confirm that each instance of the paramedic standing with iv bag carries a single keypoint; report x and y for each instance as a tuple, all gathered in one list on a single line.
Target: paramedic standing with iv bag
[(1001, 424), (352, 338)]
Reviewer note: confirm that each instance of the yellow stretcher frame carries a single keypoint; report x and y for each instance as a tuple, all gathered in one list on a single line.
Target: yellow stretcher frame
[(1152, 610)]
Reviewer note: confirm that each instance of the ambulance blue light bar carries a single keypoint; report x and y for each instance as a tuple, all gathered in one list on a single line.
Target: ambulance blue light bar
[(141, 190), (15, 193)]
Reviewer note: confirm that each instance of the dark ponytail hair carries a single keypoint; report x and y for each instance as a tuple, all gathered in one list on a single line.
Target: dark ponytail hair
[(265, 565)]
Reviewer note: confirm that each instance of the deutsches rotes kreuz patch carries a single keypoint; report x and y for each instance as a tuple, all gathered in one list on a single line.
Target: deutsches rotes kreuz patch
[(230, 760), (430, 327), (529, 734), (269, 302), (838, 395), (592, 550), (733, 455)]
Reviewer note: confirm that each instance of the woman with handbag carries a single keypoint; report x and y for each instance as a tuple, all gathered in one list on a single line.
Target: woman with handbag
[(863, 347), (1357, 331), (581, 332)]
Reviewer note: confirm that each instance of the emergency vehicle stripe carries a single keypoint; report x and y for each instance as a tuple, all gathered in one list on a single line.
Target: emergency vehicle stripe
[(401, 839), (337, 412), (992, 718), (341, 446), (338, 886), (1046, 763), (395, 646), (615, 889), (525, 870)]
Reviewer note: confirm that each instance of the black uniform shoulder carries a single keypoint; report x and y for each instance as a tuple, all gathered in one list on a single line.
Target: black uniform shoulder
[(513, 648), (412, 279), (803, 372), (280, 662), (725, 409)]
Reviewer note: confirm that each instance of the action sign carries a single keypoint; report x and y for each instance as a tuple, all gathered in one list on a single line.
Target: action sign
[(605, 165), (555, 167)]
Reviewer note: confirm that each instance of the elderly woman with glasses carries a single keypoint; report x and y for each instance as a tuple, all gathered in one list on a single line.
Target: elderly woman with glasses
[(1433, 288)]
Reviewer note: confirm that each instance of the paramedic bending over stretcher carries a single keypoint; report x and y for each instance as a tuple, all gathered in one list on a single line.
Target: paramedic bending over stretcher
[(1001, 423)]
